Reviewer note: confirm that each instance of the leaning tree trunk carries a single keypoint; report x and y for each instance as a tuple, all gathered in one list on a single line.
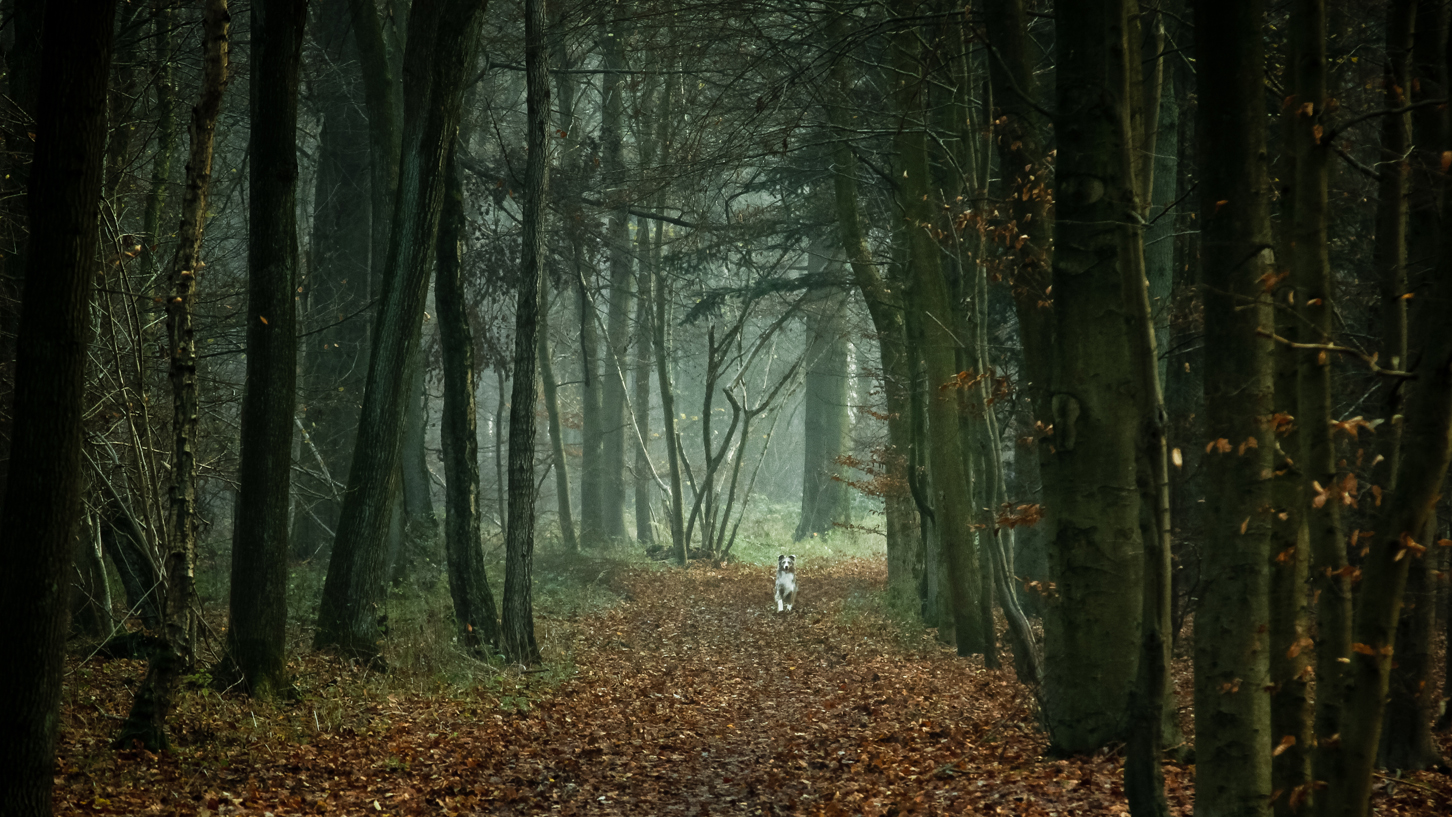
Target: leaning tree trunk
[(42, 510), (257, 629), (519, 642), (146, 722), (1232, 710), (441, 46), (474, 614), (1092, 630)]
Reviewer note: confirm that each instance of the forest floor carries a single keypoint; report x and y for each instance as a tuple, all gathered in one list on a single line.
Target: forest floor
[(688, 695)]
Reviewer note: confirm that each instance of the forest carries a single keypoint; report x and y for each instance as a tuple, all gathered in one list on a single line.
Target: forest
[(404, 405)]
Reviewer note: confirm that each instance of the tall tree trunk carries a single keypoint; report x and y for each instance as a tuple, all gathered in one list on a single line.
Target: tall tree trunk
[(552, 412), (381, 95), (884, 305), (41, 511), (146, 722), (1311, 274), (336, 289), (519, 641), (825, 501), (929, 296), (644, 485), (257, 631), (1427, 451), (1092, 630), (1406, 742), (617, 247), (463, 532), (1232, 711), (441, 47)]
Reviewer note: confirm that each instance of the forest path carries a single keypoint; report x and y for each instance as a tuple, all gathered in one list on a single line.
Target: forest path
[(690, 695), (694, 696)]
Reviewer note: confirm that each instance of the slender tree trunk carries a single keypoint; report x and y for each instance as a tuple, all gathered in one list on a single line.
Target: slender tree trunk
[(519, 641), (40, 524), (663, 339), (1406, 741), (884, 305), (335, 351), (552, 411), (441, 46), (617, 247), (1427, 451), (1232, 711), (146, 722), (1092, 630), (463, 532), (644, 485), (257, 631)]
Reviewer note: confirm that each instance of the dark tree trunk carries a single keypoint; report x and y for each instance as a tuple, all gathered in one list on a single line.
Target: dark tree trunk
[(42, 509), (644, 484), (146, 723), (1232, 711), (1092, 631), (336, 290), (463, 532), (552, 413), (613, 419), (519, 642), (825, 500), (441, 46), (257, 631)]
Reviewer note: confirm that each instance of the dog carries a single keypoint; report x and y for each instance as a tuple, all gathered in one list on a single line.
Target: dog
[(786, 582)]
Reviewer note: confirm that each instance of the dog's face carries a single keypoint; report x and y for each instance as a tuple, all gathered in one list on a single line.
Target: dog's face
[(786, 564)]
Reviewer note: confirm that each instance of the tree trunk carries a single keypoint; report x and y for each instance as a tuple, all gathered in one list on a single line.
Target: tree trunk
[(1427, 450), (617, 247), (1092, 630), (474, 613), (441, 46), (825, 501), (552, 411), (644, 485), (336, 289), (146, 722), (257, 631), (884, 305), (1406, 742), (929, 296), (1232, 711), (44, 507), (519, 641)]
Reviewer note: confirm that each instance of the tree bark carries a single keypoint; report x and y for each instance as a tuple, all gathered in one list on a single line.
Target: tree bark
[(929, 296), (474, 614), (41, 510), (146, 722), (1232, 711), (1427, 439), (441, 46), (257, 631), (519, 641), (615, 174), (1092, 630), (825, 501), (552, 412)]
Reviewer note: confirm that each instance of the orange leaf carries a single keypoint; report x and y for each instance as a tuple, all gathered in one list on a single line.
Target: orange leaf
[(1286, 742), (260, 318), (1363, 649)]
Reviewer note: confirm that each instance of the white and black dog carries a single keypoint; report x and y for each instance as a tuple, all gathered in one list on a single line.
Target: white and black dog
[(786, 582)]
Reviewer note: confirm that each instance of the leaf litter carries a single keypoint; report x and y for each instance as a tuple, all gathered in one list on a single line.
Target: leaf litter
[(690, 696)]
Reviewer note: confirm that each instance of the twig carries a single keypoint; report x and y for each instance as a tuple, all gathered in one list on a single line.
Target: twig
[(1369, 360)]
